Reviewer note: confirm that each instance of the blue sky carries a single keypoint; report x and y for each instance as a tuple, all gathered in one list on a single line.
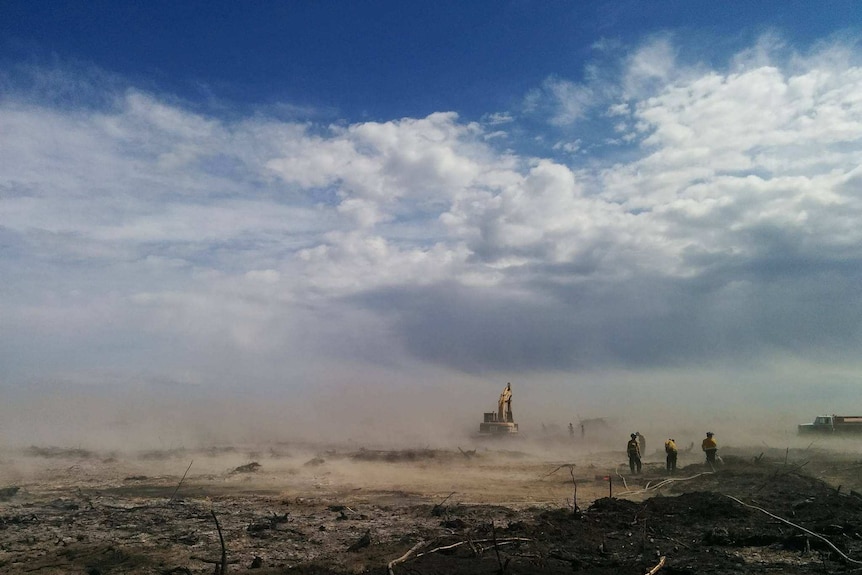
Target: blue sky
[(384, 60), (609, 202)]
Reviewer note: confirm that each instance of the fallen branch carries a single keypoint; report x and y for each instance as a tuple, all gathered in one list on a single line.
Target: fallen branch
[(803, 529), (404, 557), (459, 543), (658, 566)]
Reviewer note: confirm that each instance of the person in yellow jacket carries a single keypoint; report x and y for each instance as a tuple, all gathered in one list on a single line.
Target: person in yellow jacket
[(710, 447), (671, 451), (634, 452)]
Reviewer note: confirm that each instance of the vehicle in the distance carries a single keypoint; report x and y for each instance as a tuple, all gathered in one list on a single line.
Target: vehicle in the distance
[(833, 424)]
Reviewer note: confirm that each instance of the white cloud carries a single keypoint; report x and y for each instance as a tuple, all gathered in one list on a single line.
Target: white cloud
[(144, 222), (499, 118), (652, 64), (568, 147), (568, 101)]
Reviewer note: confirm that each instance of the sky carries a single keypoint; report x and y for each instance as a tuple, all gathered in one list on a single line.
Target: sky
[(340, 213)]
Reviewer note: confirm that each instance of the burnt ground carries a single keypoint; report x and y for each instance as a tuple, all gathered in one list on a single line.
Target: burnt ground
[(454, 512)]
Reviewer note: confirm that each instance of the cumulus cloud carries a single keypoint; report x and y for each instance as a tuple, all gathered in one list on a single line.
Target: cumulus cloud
[(729, 230)]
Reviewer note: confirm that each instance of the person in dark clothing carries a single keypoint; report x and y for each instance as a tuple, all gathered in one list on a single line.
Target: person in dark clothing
[(634, 452)]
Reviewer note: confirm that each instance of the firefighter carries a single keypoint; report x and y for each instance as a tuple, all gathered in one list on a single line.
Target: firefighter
[(670, 449), (634, 453), (710, 447)]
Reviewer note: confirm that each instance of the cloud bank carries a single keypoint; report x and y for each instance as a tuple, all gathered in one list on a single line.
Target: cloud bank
[(706, 218)]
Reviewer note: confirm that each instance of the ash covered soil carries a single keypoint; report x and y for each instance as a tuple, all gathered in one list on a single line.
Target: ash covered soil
[(296, 509)]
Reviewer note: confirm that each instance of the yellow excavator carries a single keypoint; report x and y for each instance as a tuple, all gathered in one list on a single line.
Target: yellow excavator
[(501, 422)]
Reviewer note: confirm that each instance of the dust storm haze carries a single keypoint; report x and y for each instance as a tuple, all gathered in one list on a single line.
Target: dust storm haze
[(443, 414)]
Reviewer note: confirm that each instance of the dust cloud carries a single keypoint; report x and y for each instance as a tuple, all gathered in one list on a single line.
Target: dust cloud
[(429, 414)]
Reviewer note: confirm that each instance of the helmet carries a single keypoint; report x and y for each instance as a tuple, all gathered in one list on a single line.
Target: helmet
[(709, 434)]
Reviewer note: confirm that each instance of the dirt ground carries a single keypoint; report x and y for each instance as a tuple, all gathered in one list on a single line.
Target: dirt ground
[(496, 508)]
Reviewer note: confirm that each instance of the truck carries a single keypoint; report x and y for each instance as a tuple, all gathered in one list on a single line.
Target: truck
[(832, 424)]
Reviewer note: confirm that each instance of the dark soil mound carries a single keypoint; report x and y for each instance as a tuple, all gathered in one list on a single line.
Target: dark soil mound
[(699, 532)]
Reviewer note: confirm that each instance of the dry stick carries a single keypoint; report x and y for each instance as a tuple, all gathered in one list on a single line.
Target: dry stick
[(181, 482), (440, 505), (676, 541), (409, 554), (643, 534), (803, 529), (661, 484), (575, 495), (496, 550), (459, 543), (569, 465), (223, 569), (500, 543), (658, 566), (213, 561), (404, 557), (473, 547), (51, 566)]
